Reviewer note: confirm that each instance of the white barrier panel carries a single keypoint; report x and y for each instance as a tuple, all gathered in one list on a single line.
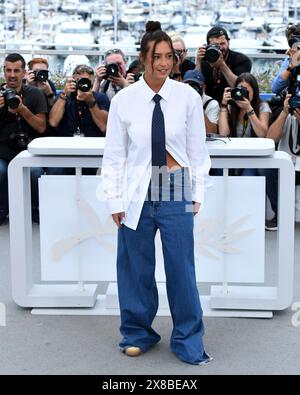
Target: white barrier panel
[(78, 237)]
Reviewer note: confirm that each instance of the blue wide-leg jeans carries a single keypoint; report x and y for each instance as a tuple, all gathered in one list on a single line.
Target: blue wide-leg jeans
[(138, 296)]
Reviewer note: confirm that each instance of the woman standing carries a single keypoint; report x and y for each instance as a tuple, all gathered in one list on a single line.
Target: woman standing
[(153, 136)]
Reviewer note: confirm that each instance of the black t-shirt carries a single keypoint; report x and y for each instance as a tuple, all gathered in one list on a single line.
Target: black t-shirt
[(186, 65), (214, 79), (78, 114), (34, 99)]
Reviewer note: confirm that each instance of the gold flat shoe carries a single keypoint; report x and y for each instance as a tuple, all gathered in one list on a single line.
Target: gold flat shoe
[(133, 351)]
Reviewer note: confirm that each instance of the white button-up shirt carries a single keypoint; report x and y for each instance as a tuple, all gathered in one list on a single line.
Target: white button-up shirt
[(126, 165)]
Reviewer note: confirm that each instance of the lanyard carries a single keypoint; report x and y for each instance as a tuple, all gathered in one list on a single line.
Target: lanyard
[(245, 124), (79, 110), (18, 116)]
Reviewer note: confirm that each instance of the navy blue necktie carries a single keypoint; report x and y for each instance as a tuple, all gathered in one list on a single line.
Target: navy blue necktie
[(158, 135)]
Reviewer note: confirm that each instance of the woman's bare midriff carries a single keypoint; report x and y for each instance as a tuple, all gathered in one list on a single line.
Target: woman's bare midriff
[(171, 162)]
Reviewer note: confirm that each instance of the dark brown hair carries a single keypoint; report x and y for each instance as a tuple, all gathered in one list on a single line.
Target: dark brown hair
[(255, 103), (154, 33), (15, 57), (292, 29)]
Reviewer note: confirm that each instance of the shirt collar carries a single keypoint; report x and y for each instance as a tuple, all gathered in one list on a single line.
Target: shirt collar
[(164, 92)]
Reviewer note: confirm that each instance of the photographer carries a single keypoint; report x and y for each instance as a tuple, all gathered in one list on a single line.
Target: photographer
[(111, 76), (242, 112), (290, 66), (210, 106), (23, 111), (38, 76), (78, 110), (183, 64), (220, 65), (286, 134)]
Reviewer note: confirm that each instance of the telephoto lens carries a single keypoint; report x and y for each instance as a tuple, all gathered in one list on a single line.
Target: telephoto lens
[(212, 53), (84, 84), (41, 75)]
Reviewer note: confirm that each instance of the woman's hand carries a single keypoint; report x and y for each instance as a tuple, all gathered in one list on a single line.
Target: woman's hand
[(118, 217), (226, 96), (196, 207), (244, 104)]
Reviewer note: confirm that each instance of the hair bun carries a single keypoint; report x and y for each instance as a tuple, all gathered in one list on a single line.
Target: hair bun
[(152, 26)]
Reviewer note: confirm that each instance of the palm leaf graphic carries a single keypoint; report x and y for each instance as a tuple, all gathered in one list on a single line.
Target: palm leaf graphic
[(236, 224), (238, 235), (60, 247)]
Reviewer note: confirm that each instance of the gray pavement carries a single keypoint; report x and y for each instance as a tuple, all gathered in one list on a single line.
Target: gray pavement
[(31, 344)]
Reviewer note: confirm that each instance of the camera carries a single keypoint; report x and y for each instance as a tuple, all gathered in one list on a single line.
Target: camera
[(294, 102), (10, 98), (294, 89), (41, 75), (84, 84), (239, 93), (112, 70), (19, 141), (137, 77), (197, 88), (212, 53), (293, 40)]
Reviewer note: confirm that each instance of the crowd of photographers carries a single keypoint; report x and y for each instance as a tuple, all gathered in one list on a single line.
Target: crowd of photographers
[(30, 106)]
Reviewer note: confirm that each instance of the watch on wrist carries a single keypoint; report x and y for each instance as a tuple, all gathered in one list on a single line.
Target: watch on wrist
[(63, 96)]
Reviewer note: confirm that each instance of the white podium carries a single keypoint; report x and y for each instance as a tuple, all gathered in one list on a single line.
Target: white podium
[(82, 153)]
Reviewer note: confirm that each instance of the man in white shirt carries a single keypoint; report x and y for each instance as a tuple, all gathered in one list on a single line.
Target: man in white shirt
[(210, 106)]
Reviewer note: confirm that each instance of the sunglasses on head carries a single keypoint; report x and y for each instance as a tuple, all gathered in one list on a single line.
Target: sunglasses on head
[(114, 51)]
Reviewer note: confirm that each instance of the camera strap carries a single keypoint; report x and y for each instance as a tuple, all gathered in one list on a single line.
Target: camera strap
[(245, 124), (78, 117), (206, 104), (18, 116)]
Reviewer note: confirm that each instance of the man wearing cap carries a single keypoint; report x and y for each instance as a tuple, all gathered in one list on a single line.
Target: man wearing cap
[(210, 106), (224, 71)]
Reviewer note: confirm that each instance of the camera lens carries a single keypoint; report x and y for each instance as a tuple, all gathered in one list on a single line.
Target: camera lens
[(112, 70), (84, 84), (41, 75), (19, 141), (11, 100), (294, 102), (212, 53), (239, 93)]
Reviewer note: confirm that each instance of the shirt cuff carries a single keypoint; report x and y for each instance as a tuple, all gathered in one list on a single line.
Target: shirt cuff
[(115, 206)]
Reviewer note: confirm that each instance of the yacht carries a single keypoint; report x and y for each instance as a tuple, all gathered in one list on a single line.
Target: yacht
[(75, 34)]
